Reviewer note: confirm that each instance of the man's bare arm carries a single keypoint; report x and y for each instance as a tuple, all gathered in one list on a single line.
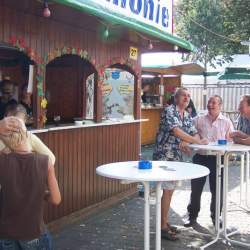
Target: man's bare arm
[(189, 138), (245, 141)]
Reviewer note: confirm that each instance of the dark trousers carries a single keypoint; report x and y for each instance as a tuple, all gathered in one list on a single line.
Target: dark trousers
[(197, 186), (42, 243)]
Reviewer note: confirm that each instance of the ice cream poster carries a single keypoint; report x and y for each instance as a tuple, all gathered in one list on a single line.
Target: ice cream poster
[(118, 94)]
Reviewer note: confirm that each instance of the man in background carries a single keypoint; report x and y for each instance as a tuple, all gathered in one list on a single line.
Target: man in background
[(242, 135), (145, 93), (7, 89)]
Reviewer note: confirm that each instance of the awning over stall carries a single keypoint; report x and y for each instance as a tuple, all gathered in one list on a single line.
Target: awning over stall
[(143, 18), (188, 68), (235, 74)]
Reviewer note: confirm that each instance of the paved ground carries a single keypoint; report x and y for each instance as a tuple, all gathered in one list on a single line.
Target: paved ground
[(121, 226)]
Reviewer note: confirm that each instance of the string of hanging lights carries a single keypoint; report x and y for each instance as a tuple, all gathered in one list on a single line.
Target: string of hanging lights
[(46, 10)]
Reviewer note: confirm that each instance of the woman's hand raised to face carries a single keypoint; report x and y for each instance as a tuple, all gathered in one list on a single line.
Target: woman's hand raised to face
[(9, 125)]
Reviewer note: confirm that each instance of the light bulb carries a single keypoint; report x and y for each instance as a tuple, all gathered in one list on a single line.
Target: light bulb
[(46, 11), (106, 32), (150, 45)]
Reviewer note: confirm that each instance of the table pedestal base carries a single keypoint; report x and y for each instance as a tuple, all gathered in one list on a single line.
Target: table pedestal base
[(221, 234), (224, 237), (244, 182), (147, 216), (225, 200)]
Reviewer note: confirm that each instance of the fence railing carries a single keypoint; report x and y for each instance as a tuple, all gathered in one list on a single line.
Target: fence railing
[(230, 95)]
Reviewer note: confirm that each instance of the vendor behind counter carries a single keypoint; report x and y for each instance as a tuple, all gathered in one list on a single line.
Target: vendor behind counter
[(145, 93), (148, 95), (6, 99)]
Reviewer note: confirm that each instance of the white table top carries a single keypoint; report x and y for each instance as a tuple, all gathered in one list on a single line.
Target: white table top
[(230, 147), (161, 171)]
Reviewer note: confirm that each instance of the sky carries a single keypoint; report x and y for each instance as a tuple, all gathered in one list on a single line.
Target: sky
[(161, 59), (175, 58)]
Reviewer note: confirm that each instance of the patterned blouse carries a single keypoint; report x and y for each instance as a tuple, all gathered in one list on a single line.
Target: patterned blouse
[(244, 125), (167, 144)]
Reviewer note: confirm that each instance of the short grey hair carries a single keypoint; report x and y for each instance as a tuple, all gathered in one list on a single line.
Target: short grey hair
[(218, 97), (247, 97), (178, 92)]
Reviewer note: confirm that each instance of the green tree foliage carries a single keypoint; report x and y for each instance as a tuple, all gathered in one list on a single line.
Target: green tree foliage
[(215, 27), (236, 23)]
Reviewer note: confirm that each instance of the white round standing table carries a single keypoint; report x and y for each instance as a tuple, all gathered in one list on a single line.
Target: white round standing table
[(161, 171), (226, 151)]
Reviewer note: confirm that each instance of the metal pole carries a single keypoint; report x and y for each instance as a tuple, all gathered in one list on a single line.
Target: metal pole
[(146, 216), (246, 43), (247, 179), (158, 217), (242, 171), (205, 90)]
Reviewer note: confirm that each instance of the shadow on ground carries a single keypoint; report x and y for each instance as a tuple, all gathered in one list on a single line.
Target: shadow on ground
[(121, 227)]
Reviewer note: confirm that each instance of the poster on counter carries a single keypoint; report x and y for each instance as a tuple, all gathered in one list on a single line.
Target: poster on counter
[(118, 94), (90, 89)]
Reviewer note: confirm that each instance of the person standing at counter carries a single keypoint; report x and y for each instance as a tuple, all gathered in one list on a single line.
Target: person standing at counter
[(175, 126), (25, 100), (21, 206), (213, 126), (145, 93), (242, 135), (7, 89)]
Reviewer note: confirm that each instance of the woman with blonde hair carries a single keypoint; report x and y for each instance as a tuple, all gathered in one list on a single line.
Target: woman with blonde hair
[(25, 178), (34, 142)]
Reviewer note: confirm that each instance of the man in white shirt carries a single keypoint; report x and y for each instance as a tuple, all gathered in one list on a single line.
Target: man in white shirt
[(213, 126)]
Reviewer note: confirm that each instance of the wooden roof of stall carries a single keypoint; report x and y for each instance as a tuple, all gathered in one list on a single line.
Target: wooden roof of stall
[(83, 14), (132, 29), (188, 68)]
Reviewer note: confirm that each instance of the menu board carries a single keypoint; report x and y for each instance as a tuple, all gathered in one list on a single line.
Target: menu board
[(118, 94)]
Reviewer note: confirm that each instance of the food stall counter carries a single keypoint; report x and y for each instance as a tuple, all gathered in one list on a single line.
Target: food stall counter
[(150, 127)]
